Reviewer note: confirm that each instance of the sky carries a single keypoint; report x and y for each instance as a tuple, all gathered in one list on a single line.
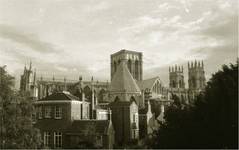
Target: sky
[(72, 38)]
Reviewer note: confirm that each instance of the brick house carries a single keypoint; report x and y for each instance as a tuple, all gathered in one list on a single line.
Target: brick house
[(57, 116)]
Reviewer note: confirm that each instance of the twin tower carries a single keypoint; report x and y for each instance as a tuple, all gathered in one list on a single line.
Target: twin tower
[(196, 76)]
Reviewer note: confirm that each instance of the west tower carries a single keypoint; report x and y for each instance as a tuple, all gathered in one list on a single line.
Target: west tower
[(133, 60), (196, 76), (176, 78)]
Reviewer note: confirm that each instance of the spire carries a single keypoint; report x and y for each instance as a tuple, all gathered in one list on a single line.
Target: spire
[(34, 80), (109, 114), (30, 68), (195, 63), (92, 79), (188, 65), (149, 106), (53, 78), (176, 68), (41, 78), (64, 83), (202, 64), (192, 64), (169, 69), (182, 68)]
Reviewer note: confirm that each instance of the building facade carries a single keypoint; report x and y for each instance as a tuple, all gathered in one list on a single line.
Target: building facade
[(125, 98), (59, 117), (134, 62), (196, 81)]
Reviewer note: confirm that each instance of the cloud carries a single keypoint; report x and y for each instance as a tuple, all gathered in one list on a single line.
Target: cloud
[(76, 37), (29, 40)]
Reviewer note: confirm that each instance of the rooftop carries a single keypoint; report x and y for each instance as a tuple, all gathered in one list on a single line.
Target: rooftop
[(122, 81), (60, 96), (89, 126), (126, 51)]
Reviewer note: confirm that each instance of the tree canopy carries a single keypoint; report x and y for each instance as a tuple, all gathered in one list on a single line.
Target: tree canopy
[(16, 127), (212, 122)]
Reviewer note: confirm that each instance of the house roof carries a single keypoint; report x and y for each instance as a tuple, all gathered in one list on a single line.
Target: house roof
[(60, 96), (147, 84), (87, 127), (120, 103), (122, 81)]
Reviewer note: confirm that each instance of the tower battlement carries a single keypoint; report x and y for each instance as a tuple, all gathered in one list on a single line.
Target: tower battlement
[(176, 77), (196, 75), (176, 69), (195, 64)]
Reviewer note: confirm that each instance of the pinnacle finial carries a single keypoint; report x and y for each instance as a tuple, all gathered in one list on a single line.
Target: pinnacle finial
[(202, 64), (92, 79), (169, 69), (176, 68), (30, 68)]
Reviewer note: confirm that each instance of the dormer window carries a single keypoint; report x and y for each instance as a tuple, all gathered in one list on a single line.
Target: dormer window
[(58, 112)]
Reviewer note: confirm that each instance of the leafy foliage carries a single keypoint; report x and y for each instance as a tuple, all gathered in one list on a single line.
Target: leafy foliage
[(211, 123), (17, 130)]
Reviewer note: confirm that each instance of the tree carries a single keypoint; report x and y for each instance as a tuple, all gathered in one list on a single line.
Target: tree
[(17, 129), (211, 123)]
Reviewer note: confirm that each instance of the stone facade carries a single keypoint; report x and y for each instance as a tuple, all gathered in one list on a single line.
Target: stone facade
[(134, 62), (196, 81)]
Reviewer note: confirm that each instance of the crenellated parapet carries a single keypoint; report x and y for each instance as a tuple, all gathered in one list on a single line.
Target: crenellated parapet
[(176, 77), (195, 64), (176, 69)]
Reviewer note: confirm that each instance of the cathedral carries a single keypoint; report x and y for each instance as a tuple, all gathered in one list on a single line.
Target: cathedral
[(134, 105), (196, 81)]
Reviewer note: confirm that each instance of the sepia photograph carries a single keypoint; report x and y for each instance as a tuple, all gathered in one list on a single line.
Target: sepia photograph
[(119, 74)]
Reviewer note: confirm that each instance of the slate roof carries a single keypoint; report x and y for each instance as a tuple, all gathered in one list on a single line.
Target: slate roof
[(94, 126), (148, 83), (60, 96), (123, 81), (120, 103)]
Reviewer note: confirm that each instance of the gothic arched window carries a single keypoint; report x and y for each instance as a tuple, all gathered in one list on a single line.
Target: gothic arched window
[(180, 83), (129, 65), (136, 69), (174, 84), (87, 92), (193, 82), (117, 99), (115, 66)]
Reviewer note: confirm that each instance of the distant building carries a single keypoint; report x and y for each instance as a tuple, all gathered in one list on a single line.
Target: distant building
[(28, 81), (63, 120), (82, 116), (133, 59), (196, 81), (125, 98)]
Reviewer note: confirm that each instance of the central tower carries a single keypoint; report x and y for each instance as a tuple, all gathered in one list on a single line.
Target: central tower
[(134, 63)]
